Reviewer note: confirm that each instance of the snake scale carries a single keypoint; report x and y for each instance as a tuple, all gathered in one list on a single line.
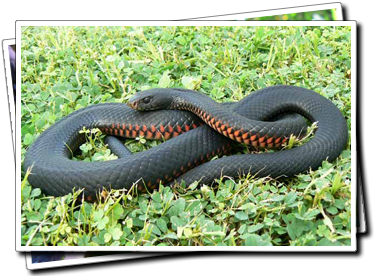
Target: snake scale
[(200, 129)]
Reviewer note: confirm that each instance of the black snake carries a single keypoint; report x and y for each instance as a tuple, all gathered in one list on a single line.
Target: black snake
[(205, 129)]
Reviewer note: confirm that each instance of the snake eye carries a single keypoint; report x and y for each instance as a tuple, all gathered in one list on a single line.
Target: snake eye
[(146, 100)]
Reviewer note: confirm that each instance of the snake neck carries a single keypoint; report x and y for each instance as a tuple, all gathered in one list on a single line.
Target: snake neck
[(232, 125), (212, 113)]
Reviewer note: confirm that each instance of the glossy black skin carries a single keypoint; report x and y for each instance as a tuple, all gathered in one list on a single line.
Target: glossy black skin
[(180, 158)]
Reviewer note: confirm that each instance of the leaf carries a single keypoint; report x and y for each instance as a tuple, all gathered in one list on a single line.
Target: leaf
[(337, 183), (332, 210), (310, 215), (37, 204), (178, 207), (179, 232), (120, 65), (327, 221), (164, 80), (35, 193), (72, 96), (245, 206), (162, 225), (326, 242), (26, 192), (97, 215), (143, 206), (34, 216), (241, 215), (190, 82), (86, 147), (78, 215), (156, 196), (178, 222), (28, 139), (194, 208), (186, 81), (102, 223), (116, 233), (256, 240), (170, 235), (255, 228), (84, 240), (45, 229), (117, 211), (339, 204), (242, 229), (129, 223), (110, 58), (107, 237), (156, 230), (99, 240), (181, 40), (290, 198), (187, 232), (32, 107), (273, 189), (44, 95), (296, 227)]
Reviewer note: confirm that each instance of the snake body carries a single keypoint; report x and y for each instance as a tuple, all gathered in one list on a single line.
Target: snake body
[(200, 128)]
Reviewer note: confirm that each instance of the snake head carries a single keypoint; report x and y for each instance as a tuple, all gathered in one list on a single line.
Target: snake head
[(153, 99)]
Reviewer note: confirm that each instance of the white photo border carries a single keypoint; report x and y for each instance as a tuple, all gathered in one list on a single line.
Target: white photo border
[(5, 44), (88, 260)]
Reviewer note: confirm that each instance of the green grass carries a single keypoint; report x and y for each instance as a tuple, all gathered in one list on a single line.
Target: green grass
[(306, 16), (68, 68)]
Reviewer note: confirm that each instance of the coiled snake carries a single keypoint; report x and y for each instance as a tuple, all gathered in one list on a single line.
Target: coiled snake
[(204, 129)]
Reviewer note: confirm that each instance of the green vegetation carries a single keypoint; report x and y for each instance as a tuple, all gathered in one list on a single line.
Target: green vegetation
[(312, 15), (68, 68)]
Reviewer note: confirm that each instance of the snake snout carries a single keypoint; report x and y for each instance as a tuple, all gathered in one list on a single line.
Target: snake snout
[(133, 105)]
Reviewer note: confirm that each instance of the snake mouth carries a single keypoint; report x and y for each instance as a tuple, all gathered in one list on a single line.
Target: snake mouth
[(133, 105)]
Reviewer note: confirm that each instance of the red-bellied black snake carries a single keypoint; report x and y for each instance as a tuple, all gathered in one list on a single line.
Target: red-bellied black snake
[(185, 156)]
